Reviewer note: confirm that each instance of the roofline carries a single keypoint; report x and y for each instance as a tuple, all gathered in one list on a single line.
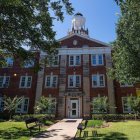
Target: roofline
[(88, 38)]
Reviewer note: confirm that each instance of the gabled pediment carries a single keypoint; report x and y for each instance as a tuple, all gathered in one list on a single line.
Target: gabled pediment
[(81, 41)]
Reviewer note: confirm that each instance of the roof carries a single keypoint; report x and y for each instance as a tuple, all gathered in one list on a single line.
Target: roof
[(84, 37)]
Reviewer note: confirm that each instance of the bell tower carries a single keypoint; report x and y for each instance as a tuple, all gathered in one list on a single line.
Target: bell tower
[(78, 25)]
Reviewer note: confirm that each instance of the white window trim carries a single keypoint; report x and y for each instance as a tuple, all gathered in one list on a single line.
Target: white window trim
[(97, 60), (26, 80), (4, 81), (123, 105), (74, 80), (51, 81), (98, 81), (53, 65), (22, 107), (74, 59)]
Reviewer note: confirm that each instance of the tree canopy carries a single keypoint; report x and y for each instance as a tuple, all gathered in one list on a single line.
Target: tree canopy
[(30, 23), (126, 52)]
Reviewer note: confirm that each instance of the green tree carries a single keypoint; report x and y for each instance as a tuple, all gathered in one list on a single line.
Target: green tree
[(45, 105), (100, 104), (30, 23), (10, 104), (126, 53), (134, 104)]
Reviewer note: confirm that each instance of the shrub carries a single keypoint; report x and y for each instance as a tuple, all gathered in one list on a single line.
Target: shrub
[(24, 117), (114, 117)]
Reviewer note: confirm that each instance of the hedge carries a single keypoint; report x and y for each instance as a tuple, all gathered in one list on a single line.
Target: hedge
[(115, 117), (24, 117)]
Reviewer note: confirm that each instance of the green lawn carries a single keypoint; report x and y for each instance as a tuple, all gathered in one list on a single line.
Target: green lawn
[(129, 130), (92, 123), (15, 130)]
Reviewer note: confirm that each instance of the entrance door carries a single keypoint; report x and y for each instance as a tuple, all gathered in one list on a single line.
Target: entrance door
[(74, 109)]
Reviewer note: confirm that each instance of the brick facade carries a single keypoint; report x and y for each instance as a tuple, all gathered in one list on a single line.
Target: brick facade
[(71, 101)]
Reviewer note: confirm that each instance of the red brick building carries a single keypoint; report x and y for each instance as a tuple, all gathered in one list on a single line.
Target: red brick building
[(77, 75)]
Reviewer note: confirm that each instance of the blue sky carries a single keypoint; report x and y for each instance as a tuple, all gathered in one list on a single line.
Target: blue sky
[(100, 17)]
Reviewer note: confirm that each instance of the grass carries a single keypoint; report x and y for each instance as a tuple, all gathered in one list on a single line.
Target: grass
[(17, 130), (92, 123), (129, 130)]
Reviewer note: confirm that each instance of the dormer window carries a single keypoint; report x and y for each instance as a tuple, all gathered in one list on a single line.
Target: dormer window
[(74, 60)]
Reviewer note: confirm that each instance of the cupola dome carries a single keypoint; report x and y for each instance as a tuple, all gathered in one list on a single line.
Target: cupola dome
[(78, 25)]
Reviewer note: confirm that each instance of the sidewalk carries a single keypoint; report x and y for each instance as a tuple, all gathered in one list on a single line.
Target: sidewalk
[(63, 130)]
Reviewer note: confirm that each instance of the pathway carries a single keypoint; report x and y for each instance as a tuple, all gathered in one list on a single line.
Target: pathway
[(63, 130)]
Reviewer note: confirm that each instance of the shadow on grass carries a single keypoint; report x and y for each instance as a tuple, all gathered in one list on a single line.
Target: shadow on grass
[(108, 136), (17, 133)]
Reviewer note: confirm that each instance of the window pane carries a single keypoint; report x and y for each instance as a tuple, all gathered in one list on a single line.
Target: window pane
[(18, 109), (71, 82), (77, 60), (77, 81), (126, 107), (1, 81), (23, 81), (71, 60), (54, 84), (100, 59), (7, 79), (29, 80), (26, 101), (56, 60), (25, 105), (48, 81), (101, 80), (1, 105), (94, 59), (94, 80)]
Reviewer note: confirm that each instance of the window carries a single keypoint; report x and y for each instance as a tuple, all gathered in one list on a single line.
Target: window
[(74, 81), (4, 81), (126, 107), (74, 60), (23, 107), (25, 81), (28, 64), (97, 59), (52, 106), (9, 62), (1, 104), (53, 62), (98, 105), (98, 80), (126, 85), (51, 81)]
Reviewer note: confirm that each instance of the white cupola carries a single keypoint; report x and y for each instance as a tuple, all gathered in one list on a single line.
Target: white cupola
[(78, 25), (78, 22)]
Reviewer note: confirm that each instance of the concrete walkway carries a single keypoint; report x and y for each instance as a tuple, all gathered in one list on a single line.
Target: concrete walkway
[(64, 130)]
